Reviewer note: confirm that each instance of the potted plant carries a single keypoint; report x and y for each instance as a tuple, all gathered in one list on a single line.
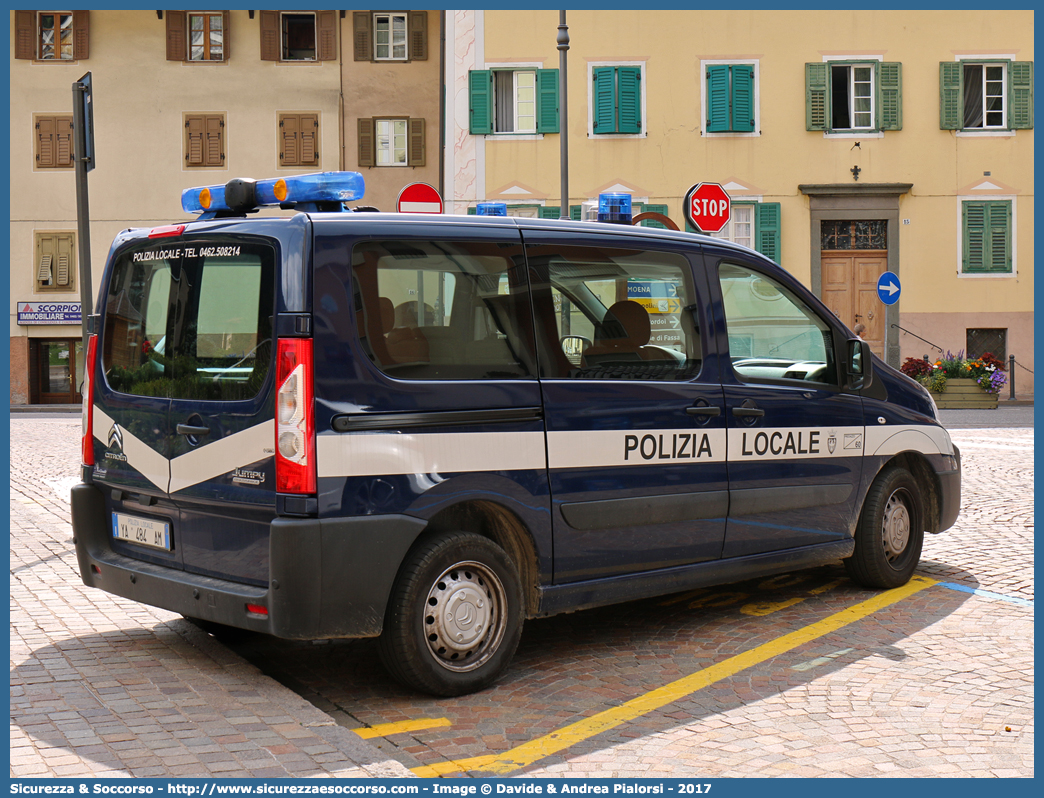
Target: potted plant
[(957, 382)]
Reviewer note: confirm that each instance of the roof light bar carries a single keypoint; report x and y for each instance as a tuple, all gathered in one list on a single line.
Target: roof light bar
[(318, 187)]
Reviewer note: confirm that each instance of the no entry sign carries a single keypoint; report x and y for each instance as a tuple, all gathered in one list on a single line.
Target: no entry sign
[(707, 207), (419, 198)]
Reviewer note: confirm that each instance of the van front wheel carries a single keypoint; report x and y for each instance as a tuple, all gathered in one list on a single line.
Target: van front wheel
[(454, 617), (890, 532)]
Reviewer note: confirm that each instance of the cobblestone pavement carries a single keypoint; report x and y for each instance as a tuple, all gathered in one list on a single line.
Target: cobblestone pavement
[(937, 684), (101, 686)]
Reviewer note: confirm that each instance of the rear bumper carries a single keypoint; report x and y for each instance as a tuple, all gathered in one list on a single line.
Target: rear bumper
[(949, 493), (327, 578)]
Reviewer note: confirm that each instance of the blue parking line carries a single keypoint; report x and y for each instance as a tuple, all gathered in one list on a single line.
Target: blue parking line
[(987, 594)]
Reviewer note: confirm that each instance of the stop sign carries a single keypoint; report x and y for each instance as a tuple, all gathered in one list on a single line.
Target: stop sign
[(419, 198), (707, 207)]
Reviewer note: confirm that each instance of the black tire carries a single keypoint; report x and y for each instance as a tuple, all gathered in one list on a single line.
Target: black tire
[(454, 617), (890, 534)]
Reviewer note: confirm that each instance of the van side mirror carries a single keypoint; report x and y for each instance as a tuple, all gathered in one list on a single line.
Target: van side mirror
[(859, 370), (574, 346)]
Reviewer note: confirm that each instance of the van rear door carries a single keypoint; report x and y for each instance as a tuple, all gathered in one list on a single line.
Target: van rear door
[(222, 415), (183, 412)]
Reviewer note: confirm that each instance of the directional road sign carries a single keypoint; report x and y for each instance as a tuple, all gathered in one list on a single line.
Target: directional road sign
[(888, 288)]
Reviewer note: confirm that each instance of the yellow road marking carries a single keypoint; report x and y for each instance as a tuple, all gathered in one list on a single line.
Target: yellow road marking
[(388, 729), (535, 750)]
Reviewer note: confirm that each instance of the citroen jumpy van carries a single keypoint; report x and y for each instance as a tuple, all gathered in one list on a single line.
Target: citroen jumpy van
[(429, 428)]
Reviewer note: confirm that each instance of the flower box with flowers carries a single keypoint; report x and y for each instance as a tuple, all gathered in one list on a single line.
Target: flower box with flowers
[(956, 382)]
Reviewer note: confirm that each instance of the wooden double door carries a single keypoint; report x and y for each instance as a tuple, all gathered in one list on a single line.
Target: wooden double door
[(850, 291)]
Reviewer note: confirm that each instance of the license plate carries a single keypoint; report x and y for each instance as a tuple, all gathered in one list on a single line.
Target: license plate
[(143, 531)]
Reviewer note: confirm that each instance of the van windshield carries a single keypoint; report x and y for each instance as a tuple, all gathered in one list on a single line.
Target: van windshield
[(191, 320)]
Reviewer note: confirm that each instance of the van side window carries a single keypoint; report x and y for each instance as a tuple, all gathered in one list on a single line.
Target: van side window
[(444, 310), (773, 335), (618, 314)]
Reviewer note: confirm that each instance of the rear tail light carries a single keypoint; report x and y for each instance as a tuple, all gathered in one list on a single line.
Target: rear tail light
[(87, 418), (295, 417)]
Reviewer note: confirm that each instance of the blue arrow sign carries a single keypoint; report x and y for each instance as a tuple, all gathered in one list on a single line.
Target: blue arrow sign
[(888, 288)]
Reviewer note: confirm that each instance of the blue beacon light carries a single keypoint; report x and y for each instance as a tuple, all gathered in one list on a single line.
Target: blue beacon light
[(311, 189), (614, 208)]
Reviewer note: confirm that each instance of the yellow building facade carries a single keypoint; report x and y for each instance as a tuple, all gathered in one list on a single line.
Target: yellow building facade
[(850, 142)]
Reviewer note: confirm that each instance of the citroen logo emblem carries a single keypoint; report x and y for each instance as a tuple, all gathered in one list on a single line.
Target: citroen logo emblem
[(116, 437)]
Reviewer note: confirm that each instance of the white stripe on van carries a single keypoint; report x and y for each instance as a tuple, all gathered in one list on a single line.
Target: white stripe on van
[(143, 458), (886, 440), (625, 447), (357, 454), (216, 459)]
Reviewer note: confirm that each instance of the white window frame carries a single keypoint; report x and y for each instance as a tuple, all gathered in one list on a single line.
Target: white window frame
[(851, 61), (756, 132), (963, 275), (728, 233), (389, 151), (1005, 77), (591, 66), (520, 66), (390, 16), (58, 41), (978, 58), (315, 37)]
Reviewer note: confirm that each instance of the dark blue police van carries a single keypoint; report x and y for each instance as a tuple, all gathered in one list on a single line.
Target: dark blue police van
[(429, 428)]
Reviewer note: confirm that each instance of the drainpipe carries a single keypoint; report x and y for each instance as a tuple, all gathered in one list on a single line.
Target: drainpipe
[(442, 106)]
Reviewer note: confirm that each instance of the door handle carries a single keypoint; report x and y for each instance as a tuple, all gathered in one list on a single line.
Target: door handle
[(703, 411), (188, 429), (748, 412)]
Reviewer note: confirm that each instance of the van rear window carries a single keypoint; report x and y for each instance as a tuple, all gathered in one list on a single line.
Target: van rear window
[(190, 321)]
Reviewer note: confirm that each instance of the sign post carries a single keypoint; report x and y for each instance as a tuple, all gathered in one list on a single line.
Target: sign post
[(419, 198), (83, 161), (708, 207)]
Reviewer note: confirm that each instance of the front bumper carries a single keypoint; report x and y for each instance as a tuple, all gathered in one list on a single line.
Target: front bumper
[(327, 578), (949, 493)]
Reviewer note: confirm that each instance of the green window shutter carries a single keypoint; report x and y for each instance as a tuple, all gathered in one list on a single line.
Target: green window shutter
[(480, 101), (575, 212), (974, 234), (890, 89), (629, 99), (767, 229), (999, 241), (550, 211), (1021, 95), (951, 107), (604, 99), (743, 98), (717, 98), (816, 87), (652, 222), (547, 100)]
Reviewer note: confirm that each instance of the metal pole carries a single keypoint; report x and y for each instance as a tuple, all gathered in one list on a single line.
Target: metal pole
[(1011, 377), (83, 211), (563, 100)]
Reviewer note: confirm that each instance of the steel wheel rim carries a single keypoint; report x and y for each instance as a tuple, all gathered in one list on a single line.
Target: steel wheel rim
[(896, 526), (464, 616)]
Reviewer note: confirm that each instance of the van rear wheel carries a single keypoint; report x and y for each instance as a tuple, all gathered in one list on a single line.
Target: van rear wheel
[(890, 532), (454, 617)]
